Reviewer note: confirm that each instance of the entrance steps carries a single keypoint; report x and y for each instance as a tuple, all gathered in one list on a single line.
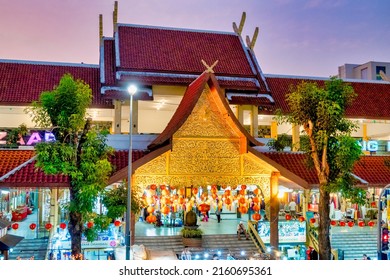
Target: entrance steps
[(211, 244), (28, 248), (355, 242)]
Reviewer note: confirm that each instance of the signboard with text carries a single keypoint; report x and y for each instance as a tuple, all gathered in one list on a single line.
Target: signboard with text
[(289, 231)]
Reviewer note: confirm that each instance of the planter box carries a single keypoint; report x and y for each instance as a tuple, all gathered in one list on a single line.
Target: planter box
[(192, 242)]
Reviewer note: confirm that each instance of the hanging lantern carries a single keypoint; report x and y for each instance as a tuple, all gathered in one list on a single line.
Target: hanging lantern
[(203, 208), (342, 223), (301, 219), (153, 187), (223, 187), (62, 226), (90, 224), (165, 192), (256, 191), (373, 204), (150, 209), (361, 224), (194, 191), (243, 187), (165, 210), (48, 226), (333, 223), (243, 209), (288, 217), (242, 200), (351, 224), (242, 192), (172, 188), (151, 219), (15, 226), (180, 191), (117, 223), (371, 223), (312, 220), (256, 216), (228, 201), (180, 200), (33, 226), (227, 192), (256, 199), (163, 187), (256, 207)]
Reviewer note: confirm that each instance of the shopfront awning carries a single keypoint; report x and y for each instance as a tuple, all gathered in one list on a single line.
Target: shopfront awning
[(9, 241)]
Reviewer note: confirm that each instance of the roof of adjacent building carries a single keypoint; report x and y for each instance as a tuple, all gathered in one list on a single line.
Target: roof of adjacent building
[(370, 103), (22, 82)]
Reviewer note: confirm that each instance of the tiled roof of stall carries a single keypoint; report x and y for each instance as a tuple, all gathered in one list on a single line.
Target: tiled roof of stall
[(109, 61), (372, 99), (374, 169), (180, 51), (10, 159), (22, 82)]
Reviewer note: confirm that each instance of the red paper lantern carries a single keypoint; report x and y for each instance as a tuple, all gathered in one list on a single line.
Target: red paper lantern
[(361, 224), (62, 226), (243, 209), (288, 217), (371, 223), (204, 208), (48, 226), (151, 219), (243, 187), (165, 210), (15, 226), (153, 187), (33, 226), (117, 223), (373, 204), (351, 224), (342, 223), (333, 223), (301, 219), (312, 220), (90, 224)]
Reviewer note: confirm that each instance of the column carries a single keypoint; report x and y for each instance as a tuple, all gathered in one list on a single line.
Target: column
[(117, 127), (274, 130), (54, 207), (255, 122), (295, 138), (305, 201), (274, 212), (240, 114)]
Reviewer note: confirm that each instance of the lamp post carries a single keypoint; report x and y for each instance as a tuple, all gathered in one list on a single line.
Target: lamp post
[(132, 90)]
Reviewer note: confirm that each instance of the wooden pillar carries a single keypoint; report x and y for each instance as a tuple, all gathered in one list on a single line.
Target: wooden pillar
[(274, 213), (274, 130), (255, 122), (305, 201), (117, 127), (240, 114), (295, 138)]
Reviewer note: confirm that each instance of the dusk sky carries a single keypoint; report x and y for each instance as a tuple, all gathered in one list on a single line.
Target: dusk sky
[(297, 37)]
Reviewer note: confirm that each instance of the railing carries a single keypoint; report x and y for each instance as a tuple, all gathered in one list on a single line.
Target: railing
[(256, 237), (313, 242)]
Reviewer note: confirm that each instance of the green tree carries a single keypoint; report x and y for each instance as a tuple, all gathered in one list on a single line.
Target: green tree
[(79, 152), (332, 150)]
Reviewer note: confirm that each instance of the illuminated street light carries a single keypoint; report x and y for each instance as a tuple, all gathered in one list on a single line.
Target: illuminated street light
[(132, 89)]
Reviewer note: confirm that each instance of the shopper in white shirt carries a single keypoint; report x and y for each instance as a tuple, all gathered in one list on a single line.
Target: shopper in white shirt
[(293, 209)]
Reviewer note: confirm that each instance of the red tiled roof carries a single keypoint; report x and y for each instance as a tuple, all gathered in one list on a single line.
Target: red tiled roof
[(250, 99), (371, 102), (169, 50), (22, 82), (109, 61), (10, 159), (30, 176), (373, 169)]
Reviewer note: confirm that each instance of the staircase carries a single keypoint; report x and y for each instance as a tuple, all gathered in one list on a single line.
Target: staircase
[(355, 242), (28, 248), (211, 244)]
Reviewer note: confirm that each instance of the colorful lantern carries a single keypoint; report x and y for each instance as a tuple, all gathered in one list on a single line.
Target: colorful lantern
[(361, 224), (33, 226), (172, 188), (333, 223), (242, 200), (117, 223), (243, 187), (203, 208), (153, 187), (256, 199), (242, 192), (62, 226), (150, 209), (48, 226), (163, 187), (90, 224), (151, 219), (243, 209), (256, 207), (256, 191), (165, 210), (342, 223), (301, 219), (256, 216), (373, 204), (371, 223), (351, 224), (194, 191), (15, 226), (312, 220), (165, 192), (288, 217)]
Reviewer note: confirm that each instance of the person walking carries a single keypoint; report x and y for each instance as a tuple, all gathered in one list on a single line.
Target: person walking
[(218, 214)]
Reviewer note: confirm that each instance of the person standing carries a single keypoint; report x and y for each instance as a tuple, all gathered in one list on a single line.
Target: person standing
[(218, 213), (293, 209)]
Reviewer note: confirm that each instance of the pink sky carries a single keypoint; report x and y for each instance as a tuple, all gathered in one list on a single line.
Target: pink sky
[(297, 37)]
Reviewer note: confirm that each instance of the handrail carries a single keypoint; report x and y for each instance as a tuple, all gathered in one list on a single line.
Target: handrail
[(313, 238), (256, 237)]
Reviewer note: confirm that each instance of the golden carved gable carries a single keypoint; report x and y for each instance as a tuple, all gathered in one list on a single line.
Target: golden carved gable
[(255, 166)]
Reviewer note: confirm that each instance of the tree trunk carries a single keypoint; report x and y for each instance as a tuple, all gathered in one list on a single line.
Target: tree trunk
[(132, 228), (75, 230), (324, 224)]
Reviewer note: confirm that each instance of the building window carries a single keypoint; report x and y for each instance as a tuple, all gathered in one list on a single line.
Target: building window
[(364, 74), (378, 70)]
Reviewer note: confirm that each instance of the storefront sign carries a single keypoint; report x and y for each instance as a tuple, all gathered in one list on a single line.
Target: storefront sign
[(30, 140), (289, 232), (373, 145)]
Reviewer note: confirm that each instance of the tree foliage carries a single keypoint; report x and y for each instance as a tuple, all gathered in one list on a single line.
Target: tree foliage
[(79, 152), (332, 150)]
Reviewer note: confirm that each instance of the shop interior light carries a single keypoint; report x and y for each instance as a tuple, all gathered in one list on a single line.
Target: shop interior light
[(4, 192), (219, 253), (269, 249), (197, 256), (242, 253), (206, 255)]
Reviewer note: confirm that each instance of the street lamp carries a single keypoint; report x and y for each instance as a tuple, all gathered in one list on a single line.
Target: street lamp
[(132, 89)]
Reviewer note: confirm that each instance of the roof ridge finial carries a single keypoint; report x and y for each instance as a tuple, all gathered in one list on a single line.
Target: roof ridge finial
[(209, 69)]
